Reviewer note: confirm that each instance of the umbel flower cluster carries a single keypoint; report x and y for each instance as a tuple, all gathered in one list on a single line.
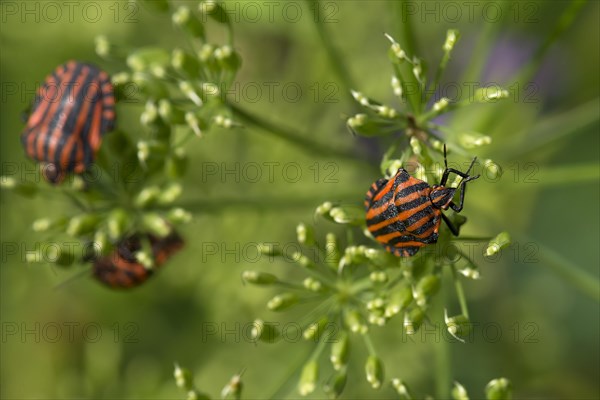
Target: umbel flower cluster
[(124, 207), (354, 284)]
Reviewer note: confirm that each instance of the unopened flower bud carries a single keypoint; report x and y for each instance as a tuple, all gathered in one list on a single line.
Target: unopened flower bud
[(501, 241), (142, 60), (189, 91), (183, 378), (459, 392), (458, 326), (490, 94), (308, 378), (452, 36), (305, 235), (335, 386), (233, 388), (441, 104), (398, 301), (147, 196), (401, 389), (82, 224), (185, 19), (356, 322), (178, 215), (413, 320), (340, 351), (282, 302), (425, 288), (374, 371), (471, 140), (185, 63), (259, 278), (214, 10), (498, 389), (170, 194), (264, 331), (314, 330), (156, 224)]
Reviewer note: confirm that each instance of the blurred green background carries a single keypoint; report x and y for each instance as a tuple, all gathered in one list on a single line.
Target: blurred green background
[(123, 344)]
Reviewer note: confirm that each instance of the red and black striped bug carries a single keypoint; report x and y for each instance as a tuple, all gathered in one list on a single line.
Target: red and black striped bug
[(121, 270), (71, 112), (405, 213)]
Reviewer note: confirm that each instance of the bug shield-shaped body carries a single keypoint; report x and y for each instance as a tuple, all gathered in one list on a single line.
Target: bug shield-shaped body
[(71, 112), (404, 213)]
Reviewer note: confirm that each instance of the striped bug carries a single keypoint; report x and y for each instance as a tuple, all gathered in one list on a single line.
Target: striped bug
[(121, 269), (71, 112), (405, 213)]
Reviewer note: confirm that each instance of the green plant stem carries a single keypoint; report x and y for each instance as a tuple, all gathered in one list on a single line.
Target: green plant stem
[(564, 176), (573, 274), (285, 387), (333, 54), (460, 293), (442, 358), (405, 30), (272, 203), (369, 345), (564, 22), (292, 136), (552, 129)]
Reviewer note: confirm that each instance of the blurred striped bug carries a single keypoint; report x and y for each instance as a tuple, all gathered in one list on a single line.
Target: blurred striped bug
[(405, 213), (71, 112)]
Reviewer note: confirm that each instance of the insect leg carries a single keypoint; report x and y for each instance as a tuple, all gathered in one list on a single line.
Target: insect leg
[(450, 225)]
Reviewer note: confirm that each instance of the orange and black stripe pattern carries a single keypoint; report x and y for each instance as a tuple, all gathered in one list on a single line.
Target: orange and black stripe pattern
[(400, 214), (121, 270), (72, 110)]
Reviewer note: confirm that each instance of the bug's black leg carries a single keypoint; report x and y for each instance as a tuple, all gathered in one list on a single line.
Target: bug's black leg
[(450, 225)]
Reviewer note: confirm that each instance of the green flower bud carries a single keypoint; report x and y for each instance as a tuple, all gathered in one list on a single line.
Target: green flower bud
[(151, 88), (259, 278), (144, 59), (374, 371), (376, 318), (312, 284), (170, 194), (425, 288), (340, 350), (493, 170), (305, 235), (413, 320), (117, 223), (417, 69), (103, 46), (185, 63), (471, 140), (227, 58), (360, 98), (264, 331), (176, 164), (101, 242), (402, 389), (347, 215), (169, 113), (188, 90), (452, 36), (308, 378), (396, 54), (458, 326), (82, 224), (335, 386), (324, 208), (41, 225), (194, 122), (490, 94), (332, 250), (303, 260), (183, 378), (440, 105), (459, 392), (356, 322), (378, 277), (396, 86), (315, 330), (233, 387), (223, 121), (398, 301), (183, 18), (415, 144), (214, 10), (385, 111), (147, 197), (145, 258), (501, 241), (178, 215), (268, 249), (206, 53), (155, 224), (282, 302), (362, 125), (194, 394), (498, 389), (375, 304)]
